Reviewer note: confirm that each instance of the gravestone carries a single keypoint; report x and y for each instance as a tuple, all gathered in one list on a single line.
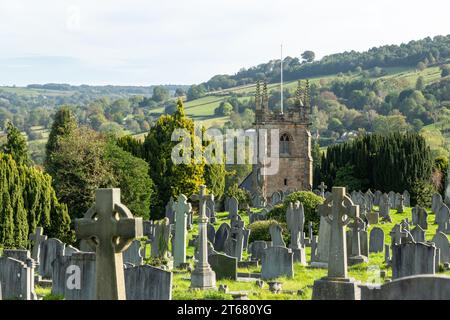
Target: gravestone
[(400, 204), (211, 233), (49, 251), (356, 228), (314, 240), (182, 209), (69, 250), (211, 209), (443, 218), (160, 242), (376, 197), (392, 197), (436, 202), (277, 262), (387, 254), (385, 205), (233, 208), (236, 245), (338, 211), (441, 241), (148, 229), (295, 218), (74, 276), (276, 236), (407, 198), (17, 279), (276, 198), (170, 213), (418, 234), (203, 277), (373, 217), (323, 187), (133, 254), (148, 283), (323, 245), (223, 265), (18, 254), (37, 238), (413, 258), (420, 217), (376, 243), (399, 236), (222, 234), (256, 250), (98, 224)]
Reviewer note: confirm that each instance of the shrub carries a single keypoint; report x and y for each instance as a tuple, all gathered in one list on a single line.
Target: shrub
[(259, 231), (242, 195), (310, 203), (422, 193)]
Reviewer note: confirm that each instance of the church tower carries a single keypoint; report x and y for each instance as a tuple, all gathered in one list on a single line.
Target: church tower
[(295, 161)]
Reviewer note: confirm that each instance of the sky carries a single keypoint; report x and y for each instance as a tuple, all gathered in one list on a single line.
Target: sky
[(142, 42)]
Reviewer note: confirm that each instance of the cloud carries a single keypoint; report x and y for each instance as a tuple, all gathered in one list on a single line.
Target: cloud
[(149, 42)]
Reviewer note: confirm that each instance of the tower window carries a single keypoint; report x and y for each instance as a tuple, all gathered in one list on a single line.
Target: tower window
[(285, 140), (285, 182)]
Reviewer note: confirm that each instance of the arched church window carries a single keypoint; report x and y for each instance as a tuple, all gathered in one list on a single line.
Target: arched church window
[(285, 141)]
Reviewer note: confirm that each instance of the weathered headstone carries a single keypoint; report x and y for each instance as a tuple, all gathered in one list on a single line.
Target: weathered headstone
[(400, 203), (413, 258), (17, 279), (203, 277), (256, 249), (182, 209), (376, 197), (323, 187), (276, 235), (420, 217), (160, 242), (211, 209), (223, 265), (133, 254), (356, 256), (211, 233), (321, 259), (407, 198), (148, 283), (373, 217), (18, 254), (50, 250), (37, 238), (418, 234), (276, 262), (295, 218), (222, 234), (338, 211), (170, 213), (385, 205), (113, 227), (233, 208), (74, 276), (436, 202), (441, 241), (376, 243), (443, 219)]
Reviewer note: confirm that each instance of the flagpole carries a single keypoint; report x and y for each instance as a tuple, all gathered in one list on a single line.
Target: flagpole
[(281, 80)]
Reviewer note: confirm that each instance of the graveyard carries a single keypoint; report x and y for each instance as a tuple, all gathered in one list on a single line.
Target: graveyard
[(157, 271), (204, 157)]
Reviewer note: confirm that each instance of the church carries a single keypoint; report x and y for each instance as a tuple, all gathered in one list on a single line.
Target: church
[(295, 172)]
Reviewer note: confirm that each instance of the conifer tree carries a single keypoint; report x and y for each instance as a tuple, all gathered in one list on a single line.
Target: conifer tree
[(16, 145)]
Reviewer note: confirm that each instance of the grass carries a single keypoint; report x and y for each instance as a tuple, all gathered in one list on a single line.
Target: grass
[(303, 276)]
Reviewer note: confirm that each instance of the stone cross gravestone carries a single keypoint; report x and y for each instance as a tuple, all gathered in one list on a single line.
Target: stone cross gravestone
[(322, 187), (357, 226), (37, 238), (182, 210), (112, 227), (338, 210), (203, 277)]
